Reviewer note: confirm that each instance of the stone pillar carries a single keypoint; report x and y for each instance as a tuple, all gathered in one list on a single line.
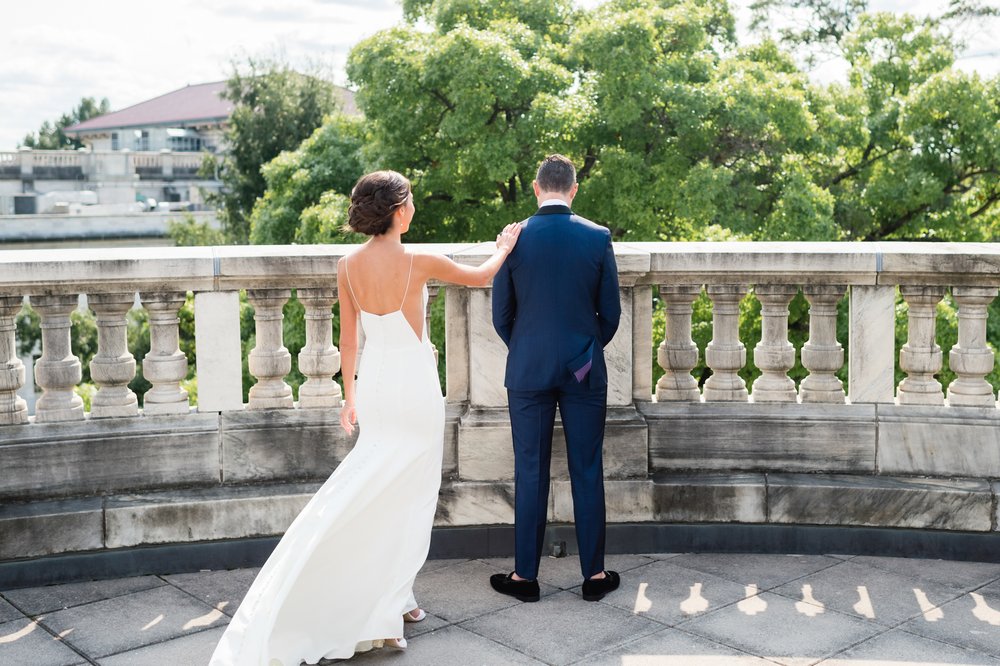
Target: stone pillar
[(725, 354), (269, 360), (57, 371), (27, 163), (13, 408), (167, 163), (871, 359), (920, 358), (642, 360), (219, 356), (432, 293), (456, 331), (823, 354), (971, 359), (678, 354), (774, 354), (165, 366), (114, 366), (319, 360)]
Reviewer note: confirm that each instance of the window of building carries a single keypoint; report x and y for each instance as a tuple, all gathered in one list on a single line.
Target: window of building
[(141, 140), (185, 144), (114, 141)]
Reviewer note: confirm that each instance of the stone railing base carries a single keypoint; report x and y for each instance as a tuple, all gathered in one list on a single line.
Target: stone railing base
[(104, 524)]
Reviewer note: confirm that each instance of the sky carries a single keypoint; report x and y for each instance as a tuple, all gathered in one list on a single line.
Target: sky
[(54, 52)]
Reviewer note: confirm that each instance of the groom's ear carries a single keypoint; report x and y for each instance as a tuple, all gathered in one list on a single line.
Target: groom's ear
[(572, 191), (534, 186)]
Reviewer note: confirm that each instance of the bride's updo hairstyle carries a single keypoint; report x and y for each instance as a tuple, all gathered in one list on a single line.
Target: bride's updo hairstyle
[(374, 199)]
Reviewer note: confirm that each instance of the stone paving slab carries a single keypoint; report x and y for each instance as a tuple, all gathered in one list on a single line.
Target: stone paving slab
[(866, 592), (763, 570), (541, 629), (899, 647), (219, 589), (954, 620), (788, 632), (191, 650), (451, 645), (463, 591), (35, 600), (670, 647), (8, 612), (971, 620), (960, 575), (434, 565), (131, 621), (24, 642), (671, 594)]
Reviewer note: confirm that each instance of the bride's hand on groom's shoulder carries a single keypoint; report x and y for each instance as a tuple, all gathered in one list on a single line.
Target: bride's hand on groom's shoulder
[(348, 417), (507, 239)]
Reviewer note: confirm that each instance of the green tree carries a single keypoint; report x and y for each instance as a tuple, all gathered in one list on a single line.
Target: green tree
[(304, 201), (50, 135), (275, 109), (188, 231)]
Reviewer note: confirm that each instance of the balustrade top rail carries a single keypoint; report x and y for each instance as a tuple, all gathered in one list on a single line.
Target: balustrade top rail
[(223, 268), (823, 271)]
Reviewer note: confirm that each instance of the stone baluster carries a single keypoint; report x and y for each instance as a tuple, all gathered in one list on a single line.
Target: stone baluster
[(319, 360), (971, 359), (113, 367), (165, 366), (57, 371), (725, 354), (823, 354), (678, 354), (269, 361), (920, 358), (774, 354), (13, 408), (432, 293)]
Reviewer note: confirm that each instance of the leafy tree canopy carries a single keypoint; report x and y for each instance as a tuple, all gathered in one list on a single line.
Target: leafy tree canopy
[(275, 109), (678, 132)]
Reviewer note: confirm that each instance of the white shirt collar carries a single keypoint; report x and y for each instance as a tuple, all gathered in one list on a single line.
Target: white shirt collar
[(553, 202)]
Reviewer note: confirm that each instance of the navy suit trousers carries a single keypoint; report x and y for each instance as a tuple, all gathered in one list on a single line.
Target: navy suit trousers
[(532, 416)]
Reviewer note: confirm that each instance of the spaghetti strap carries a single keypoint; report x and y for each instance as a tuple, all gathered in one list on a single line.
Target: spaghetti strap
[(407, 289), (350, 289)]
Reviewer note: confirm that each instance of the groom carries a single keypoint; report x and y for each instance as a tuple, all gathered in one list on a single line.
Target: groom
[(555, 305)]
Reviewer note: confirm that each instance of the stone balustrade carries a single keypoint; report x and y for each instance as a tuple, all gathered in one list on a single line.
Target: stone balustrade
[(30, 164), (871, 453)]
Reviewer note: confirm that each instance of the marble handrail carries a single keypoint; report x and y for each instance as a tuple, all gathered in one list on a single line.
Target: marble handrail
[(869, 272)]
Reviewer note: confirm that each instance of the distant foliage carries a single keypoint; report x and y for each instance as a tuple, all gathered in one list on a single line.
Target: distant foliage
[(50, 135), (276, 108), (189, 231), (306, 187)]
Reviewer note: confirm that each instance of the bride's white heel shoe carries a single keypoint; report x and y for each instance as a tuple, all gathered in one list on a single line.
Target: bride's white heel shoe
[(417, 616), (397, 643)]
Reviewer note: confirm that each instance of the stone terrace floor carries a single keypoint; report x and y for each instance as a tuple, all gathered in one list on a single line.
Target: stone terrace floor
[(685, 609)]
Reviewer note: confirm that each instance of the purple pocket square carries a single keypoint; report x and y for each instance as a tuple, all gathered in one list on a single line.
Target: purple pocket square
[(581, 365)]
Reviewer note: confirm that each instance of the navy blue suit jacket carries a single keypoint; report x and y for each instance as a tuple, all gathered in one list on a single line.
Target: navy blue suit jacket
[(556, 303)]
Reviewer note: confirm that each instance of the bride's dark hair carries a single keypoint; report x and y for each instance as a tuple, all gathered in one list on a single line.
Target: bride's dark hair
[(374, 199)]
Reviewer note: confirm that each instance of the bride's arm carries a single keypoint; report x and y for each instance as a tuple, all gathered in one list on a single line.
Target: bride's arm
[(348, 348), (444, 269)]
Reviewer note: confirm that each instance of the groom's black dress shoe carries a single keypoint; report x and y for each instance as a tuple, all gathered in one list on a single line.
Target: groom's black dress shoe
[(595, 589), (522, 590)]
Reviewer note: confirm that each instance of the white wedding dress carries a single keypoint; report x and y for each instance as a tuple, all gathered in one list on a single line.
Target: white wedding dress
[(343, 572)]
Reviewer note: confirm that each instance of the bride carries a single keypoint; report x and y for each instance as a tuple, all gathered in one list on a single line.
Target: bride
[(341, 578)]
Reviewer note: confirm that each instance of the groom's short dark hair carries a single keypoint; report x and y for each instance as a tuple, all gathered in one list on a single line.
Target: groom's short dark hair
[(556, 174)]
